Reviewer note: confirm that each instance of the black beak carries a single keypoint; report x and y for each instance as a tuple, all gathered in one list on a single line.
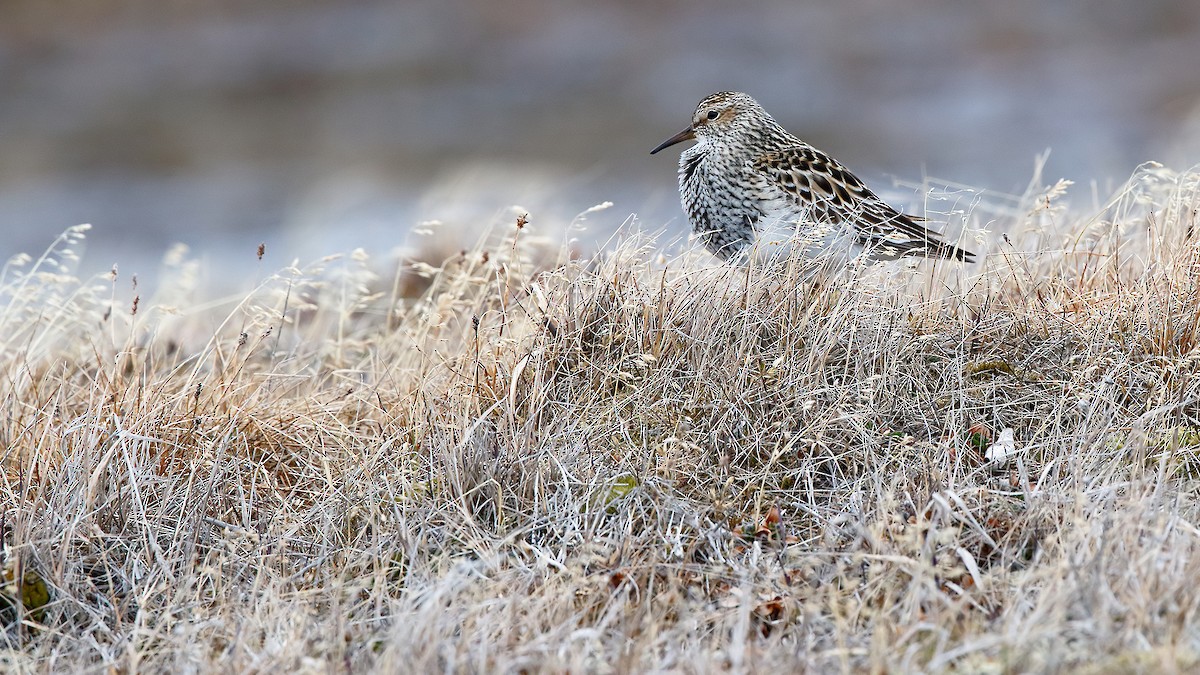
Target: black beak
[(687, 134)]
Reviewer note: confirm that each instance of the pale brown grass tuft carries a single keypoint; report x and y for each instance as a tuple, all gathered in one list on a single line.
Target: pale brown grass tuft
[(628, 463)]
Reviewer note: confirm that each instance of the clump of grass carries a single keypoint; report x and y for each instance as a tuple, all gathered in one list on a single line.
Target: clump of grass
[(629, 462)]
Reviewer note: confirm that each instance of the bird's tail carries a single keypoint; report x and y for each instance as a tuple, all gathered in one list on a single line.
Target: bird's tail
[(940, 249)]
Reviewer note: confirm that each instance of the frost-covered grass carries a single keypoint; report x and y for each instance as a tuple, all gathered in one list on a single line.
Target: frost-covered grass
[(515, 461)]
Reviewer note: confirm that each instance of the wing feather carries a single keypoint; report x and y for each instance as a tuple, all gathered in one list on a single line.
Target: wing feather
[(819, 185)]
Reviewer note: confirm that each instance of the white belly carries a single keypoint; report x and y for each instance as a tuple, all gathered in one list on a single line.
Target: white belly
[(793, 235)]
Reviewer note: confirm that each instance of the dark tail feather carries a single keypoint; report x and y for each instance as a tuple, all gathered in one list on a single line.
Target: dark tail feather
[(940, 249), (925, 242), (935, 248)]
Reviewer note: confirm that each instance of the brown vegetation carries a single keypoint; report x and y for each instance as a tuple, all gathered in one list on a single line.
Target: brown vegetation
[(619, 464)]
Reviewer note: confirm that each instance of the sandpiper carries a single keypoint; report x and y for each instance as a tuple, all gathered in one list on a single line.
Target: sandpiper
[(747, 184)]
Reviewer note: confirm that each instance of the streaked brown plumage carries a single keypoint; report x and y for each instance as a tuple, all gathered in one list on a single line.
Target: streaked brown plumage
[(747, 181)]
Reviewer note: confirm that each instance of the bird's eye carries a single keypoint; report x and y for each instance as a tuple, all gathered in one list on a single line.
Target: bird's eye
[(712, 114)]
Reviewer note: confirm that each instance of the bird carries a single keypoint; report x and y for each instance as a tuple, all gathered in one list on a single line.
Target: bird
[(749, 185)]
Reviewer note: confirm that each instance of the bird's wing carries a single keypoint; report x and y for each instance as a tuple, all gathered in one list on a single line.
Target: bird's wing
[(820, 187)]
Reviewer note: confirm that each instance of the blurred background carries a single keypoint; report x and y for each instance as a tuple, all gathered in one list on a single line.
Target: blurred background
[(319, 126)]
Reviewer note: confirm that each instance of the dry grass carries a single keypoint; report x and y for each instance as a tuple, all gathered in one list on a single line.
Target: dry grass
[(621, 464)]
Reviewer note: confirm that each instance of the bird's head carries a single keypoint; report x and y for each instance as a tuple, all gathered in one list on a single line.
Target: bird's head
[(719, 118)]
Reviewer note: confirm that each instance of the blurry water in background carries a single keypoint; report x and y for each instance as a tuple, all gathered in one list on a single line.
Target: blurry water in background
[(319, 126)]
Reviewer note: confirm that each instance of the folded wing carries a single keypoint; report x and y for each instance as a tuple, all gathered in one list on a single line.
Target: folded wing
[(818, 185)]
